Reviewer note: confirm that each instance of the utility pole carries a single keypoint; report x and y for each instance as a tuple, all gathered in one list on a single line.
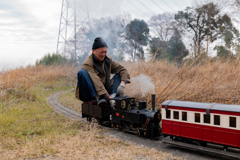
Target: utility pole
[(69, 24)]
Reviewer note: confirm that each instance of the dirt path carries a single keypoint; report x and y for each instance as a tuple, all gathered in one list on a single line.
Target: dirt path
[(185, 154)]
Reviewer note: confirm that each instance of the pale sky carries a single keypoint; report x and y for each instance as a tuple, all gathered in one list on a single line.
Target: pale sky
[(29, 28)]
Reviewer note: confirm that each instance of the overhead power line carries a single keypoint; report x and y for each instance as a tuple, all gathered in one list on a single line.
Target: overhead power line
[(168, 5), (158, 6), (137, 7), (112, 2), (116, 2), (177, 4), (139, 11), (126, 6), (145, 6)]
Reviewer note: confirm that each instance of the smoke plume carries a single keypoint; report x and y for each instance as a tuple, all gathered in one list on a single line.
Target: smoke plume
[(144, 83)]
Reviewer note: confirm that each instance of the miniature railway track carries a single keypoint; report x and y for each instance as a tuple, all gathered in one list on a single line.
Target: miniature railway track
[(60, 109), (234, 154)]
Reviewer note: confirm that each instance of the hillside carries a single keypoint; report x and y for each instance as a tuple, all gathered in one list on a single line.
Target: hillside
[(30, 129)]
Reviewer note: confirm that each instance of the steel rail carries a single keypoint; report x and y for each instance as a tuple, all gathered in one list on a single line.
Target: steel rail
[(60, 109)]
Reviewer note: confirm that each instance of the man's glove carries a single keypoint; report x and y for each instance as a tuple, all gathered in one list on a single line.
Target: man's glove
[(120, 90), (113, 102)]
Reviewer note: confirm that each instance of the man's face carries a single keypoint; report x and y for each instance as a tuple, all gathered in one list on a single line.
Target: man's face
[(100, 53)]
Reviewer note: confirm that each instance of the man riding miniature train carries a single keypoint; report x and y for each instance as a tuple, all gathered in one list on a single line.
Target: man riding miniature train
[(94, 84)]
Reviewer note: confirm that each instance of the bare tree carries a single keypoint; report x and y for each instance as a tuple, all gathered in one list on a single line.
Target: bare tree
[(229, 10), (162, 25), (229, 7)]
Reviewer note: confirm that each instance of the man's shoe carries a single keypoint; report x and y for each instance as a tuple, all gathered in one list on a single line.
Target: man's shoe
[(102, 102)]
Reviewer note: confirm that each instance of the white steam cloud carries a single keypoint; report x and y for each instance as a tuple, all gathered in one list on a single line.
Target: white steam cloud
[(145, 84)]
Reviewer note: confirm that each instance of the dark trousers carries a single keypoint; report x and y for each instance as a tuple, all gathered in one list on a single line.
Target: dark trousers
[(86, 87)]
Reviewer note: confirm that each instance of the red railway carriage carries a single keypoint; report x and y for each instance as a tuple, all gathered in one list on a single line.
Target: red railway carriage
[(204, 122)]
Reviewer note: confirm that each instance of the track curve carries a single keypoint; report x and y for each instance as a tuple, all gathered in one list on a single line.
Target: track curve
[(60, 109), (184, 153)]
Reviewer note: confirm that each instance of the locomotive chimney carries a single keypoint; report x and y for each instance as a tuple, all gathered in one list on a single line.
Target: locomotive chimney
[(153, 102)]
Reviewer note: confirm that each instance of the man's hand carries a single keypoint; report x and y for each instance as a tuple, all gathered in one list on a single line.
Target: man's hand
[(122, 82), (120, 90)]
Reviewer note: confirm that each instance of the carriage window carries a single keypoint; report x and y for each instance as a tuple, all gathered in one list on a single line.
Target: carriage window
[(175, 114), (232, 122), (168, 114), (184, 116), (197, 117), (206, 118), (216, 120)]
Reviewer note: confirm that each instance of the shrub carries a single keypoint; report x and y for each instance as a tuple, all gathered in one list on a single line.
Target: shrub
[(53, 59)]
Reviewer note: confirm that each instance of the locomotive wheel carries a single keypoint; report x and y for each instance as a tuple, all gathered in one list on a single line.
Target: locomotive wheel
[(119, 128), (140, 133), (145, 134), (114, 126), (124, 129)]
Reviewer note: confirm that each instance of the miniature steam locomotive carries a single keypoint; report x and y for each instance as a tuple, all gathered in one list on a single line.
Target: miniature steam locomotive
[(127, 116), (199, 122)]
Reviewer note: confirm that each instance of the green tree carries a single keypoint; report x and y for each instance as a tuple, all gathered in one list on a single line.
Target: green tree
[(137, 33), (49, 59), (206, 22), (176, 48), (237, 47), (173, 50), (158, 47), (223, 52)]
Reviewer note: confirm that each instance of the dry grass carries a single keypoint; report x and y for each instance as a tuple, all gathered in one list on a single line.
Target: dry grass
[(68, 99), (30, 129), (88, 143), (17, 83), (24, 78), (206, 82)]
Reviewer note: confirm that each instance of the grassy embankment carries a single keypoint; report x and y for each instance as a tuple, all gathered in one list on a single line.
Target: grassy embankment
[(213, 82), (30, 129)]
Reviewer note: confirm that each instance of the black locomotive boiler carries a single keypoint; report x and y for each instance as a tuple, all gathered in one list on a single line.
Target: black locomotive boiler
[(125, 115)]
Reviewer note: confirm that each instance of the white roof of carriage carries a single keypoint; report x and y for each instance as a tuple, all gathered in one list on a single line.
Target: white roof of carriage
[(199, 105)]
